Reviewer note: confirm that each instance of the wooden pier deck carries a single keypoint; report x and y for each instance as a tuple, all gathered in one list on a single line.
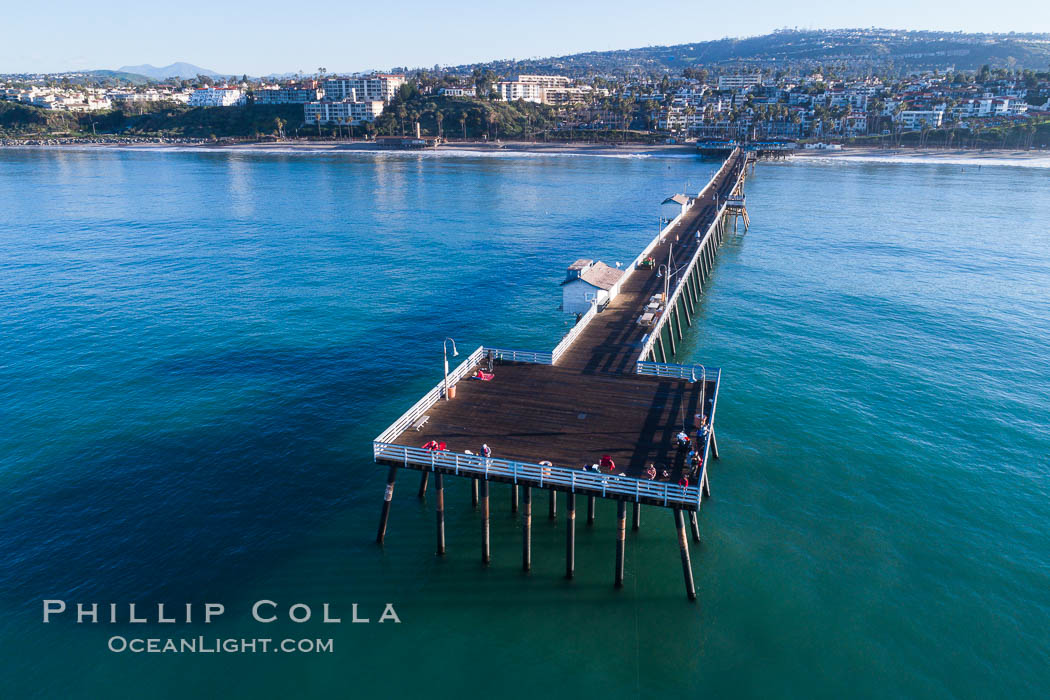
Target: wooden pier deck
[(548, 418), (534, 413)]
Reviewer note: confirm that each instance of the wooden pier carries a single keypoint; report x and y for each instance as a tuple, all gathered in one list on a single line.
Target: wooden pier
[(598, 416)]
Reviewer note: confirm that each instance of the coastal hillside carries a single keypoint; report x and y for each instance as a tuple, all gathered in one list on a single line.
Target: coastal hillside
[(863, 49), (174, 70)]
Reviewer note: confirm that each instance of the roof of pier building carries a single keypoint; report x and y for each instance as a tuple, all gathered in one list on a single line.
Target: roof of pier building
[(597, 274)]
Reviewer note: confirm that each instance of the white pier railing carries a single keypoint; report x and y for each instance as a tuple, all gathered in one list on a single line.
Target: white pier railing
[(534, 358), (693, 372), (574, 480)]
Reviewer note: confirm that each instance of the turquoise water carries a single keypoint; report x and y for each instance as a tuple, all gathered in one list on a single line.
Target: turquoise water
[(197, 348)]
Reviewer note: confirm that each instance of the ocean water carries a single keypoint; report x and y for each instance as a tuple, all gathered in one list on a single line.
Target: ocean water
[(196, 349)]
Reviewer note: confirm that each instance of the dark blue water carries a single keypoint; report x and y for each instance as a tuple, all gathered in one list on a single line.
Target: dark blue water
[(197, 348)]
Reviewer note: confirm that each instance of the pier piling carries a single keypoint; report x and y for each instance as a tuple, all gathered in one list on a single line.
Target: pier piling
[(423, 479), (695, 524), (636, 516), (552, 512), (474, 494), (513, 498), (388, 496), (714, 445), (526, 529), (570, 535), (683, 546), (590, 510), (485, 554), (439, 486), (621, 537)]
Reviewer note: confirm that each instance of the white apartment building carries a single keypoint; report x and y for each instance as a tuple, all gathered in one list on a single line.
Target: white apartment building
[(545, 81), (287, 94), (739, 81), (511, 90), (912, 119), (679, 120), (343, 111), (567, 95), (990, 107), (543, 89), (380, 86), (216, 97)]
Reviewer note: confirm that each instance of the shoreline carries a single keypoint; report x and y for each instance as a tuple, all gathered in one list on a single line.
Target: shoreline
[(342, 146), (538, 148), (925, 154)]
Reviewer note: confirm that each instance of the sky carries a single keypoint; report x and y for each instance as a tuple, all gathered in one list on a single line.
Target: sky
[(263, 36)]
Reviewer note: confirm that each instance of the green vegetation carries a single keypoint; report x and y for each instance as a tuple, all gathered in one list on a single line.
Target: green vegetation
[(248, 121), (20, 119), (458, 117), (168, 119)]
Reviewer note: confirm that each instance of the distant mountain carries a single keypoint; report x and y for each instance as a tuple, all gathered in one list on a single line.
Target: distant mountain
[(177, 70), (860, 49)]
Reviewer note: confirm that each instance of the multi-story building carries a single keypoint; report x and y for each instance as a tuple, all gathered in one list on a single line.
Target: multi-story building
[(543, 89), (911, 119), (511, 90), (216, 97), (343, 111), (739, 81), (287, 94), (380, 86), (545, 81)]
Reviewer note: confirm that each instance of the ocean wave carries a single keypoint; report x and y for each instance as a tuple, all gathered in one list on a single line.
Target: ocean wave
[(1039, 161), (366, 152)]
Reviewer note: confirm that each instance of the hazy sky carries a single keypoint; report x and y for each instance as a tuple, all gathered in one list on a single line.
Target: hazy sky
[(259, 37)]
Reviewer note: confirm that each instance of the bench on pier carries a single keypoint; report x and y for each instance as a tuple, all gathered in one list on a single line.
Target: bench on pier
[(420, 422)]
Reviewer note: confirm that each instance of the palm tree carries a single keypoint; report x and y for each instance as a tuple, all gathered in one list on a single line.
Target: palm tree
[(401, 114), (439, 117), (463, 124), (493, 120)]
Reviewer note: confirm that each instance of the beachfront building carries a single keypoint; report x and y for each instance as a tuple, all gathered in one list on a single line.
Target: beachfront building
[(287, 95), (543, 89), (379, 86), (914, 119), (586, 282), (342, 111), (216, 97)]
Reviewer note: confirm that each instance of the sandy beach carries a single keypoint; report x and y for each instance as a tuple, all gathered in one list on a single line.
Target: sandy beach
[(305, 146)]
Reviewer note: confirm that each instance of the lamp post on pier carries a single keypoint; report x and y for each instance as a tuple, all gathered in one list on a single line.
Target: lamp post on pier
[(455, 353)]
